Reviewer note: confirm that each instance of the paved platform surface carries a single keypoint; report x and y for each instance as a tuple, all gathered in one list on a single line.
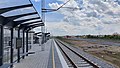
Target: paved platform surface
[(54, 60), (38, 60), (49, 58)]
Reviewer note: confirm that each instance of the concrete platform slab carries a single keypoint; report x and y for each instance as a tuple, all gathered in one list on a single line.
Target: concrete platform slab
[(37, 60)]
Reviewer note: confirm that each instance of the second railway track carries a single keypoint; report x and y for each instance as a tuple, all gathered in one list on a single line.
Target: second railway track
[(74, 59)]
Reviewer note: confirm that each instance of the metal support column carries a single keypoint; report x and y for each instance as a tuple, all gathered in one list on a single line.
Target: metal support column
[(27, 43), (31, 39), (23, 47), (1, 45), (45, 38), (18, 54), (42, 42), (11, 47), (43, 27)]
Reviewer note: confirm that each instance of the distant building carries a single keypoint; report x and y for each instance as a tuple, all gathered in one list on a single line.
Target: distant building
[(67, 36)]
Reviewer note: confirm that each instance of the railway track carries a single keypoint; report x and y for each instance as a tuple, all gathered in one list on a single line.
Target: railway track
[(74, 59)]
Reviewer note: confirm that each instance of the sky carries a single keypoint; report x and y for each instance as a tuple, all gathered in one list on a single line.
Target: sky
[(83, 17)]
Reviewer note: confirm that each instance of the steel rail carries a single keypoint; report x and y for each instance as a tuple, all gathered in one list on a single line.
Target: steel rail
[(70, 60), (92, 64)]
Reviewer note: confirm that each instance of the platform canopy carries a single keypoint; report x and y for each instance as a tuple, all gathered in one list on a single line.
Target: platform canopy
[(37, 33), (18, 13)]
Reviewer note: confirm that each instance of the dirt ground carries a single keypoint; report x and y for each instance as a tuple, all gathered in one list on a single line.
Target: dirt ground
[(111, 54)]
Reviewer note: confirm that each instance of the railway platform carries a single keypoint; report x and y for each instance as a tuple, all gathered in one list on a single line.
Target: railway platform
[(50, 57)]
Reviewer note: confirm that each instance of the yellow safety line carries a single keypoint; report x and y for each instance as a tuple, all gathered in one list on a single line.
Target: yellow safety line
[(53, 59)]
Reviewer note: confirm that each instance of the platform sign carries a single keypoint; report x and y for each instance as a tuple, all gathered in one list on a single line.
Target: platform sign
[(18, 43)]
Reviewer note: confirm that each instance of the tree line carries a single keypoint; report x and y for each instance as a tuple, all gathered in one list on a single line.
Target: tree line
[(103, 36)]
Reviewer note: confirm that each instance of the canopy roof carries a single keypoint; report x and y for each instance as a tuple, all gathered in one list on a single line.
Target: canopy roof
[(18, 12)]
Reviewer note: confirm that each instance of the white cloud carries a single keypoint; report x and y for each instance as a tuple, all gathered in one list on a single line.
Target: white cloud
[(96, 15), (63, 28), (37, 0)]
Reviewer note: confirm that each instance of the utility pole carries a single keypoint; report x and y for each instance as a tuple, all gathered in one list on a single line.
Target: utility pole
[(43, 27)]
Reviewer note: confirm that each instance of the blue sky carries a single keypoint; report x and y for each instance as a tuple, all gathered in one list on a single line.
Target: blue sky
[(95, 17), (51, 16)]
